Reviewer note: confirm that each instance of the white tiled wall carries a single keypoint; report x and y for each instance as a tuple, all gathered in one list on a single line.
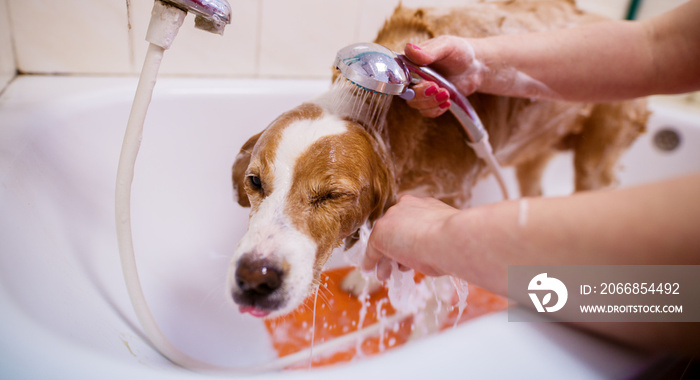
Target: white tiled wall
[(7, 54), (196, 52), (268, 38), (70, 36), (300, 38)]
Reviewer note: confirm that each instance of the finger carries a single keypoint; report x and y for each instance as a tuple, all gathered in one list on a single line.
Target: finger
[(425, 90), (435, 50), (431, 101), (424, 103), (369, 262), (435, 111), (416, 54), (372, 254), (384, 269), (403, 268), (426, 94)]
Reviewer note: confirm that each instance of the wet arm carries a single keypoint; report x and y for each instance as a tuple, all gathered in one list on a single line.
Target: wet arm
[(598, 62), (649, 224), (603, 61)]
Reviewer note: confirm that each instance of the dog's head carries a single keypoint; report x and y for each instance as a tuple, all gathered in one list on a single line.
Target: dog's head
[(311, 180)]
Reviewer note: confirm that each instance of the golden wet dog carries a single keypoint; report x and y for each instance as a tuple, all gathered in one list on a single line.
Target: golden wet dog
[(314, 177)]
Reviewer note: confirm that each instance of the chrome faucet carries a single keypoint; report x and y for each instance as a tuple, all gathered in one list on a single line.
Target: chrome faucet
[(211, 15)]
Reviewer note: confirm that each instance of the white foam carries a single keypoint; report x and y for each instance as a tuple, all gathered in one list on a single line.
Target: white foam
[(462, 289), (364, 300), (405, 295)]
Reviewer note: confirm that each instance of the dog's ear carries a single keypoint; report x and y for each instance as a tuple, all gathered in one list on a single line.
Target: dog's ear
[(383, 196), (239, 168), (383, 190)]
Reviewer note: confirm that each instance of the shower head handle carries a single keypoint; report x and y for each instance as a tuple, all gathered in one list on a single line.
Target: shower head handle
[(460, 106)]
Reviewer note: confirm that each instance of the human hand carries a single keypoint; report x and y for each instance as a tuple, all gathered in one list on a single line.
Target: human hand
[(430, 100), (407, 234), (452, 57)]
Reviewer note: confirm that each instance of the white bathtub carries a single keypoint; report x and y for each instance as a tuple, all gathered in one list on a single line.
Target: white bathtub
[(63, 305)]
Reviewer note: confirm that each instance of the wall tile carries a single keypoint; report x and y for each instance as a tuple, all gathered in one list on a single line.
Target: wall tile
[(196, 52), (371, 17), (70, 36), (301, 37), (7, 54)]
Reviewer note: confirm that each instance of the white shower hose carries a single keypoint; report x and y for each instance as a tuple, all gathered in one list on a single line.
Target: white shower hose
[(484, 151)]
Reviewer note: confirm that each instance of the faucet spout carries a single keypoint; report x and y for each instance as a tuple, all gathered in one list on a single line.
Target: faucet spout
[(211, 15)]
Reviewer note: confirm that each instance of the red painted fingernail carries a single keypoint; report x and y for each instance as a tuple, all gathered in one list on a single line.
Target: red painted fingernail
[(413, 46), (430, 91), (445, 105), (442, 96)]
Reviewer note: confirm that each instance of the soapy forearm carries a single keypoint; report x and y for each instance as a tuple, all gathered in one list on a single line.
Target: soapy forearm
[(596, 62), (650, 224), (602, 61), (645, 225)]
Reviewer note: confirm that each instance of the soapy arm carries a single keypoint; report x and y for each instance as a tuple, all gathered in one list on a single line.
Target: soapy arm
[(603, 61), (650, 224)]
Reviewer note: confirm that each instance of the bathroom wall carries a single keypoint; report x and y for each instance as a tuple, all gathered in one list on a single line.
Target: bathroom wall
[(268, 38)]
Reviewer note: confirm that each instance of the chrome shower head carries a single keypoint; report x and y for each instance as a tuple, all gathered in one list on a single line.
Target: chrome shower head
[(374, 68)]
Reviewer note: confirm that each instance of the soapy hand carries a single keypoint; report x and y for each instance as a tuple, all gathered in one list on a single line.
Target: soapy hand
[(452, 57), (406, 234)]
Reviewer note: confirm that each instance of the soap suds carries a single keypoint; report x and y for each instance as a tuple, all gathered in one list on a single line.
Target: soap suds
[(462, 290)]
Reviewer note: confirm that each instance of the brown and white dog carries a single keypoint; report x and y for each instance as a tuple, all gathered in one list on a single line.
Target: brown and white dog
[(313, 178)]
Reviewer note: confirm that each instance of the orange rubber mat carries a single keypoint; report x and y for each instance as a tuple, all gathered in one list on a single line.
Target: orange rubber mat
[(338, 313)]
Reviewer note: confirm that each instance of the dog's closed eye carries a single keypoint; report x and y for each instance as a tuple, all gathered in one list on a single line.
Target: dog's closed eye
[(318, 198)]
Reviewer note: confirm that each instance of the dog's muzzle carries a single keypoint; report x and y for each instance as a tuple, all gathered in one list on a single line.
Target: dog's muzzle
[(258, 285)]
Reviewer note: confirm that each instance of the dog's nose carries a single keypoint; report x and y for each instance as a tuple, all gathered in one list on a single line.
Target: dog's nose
[(258, 277)]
